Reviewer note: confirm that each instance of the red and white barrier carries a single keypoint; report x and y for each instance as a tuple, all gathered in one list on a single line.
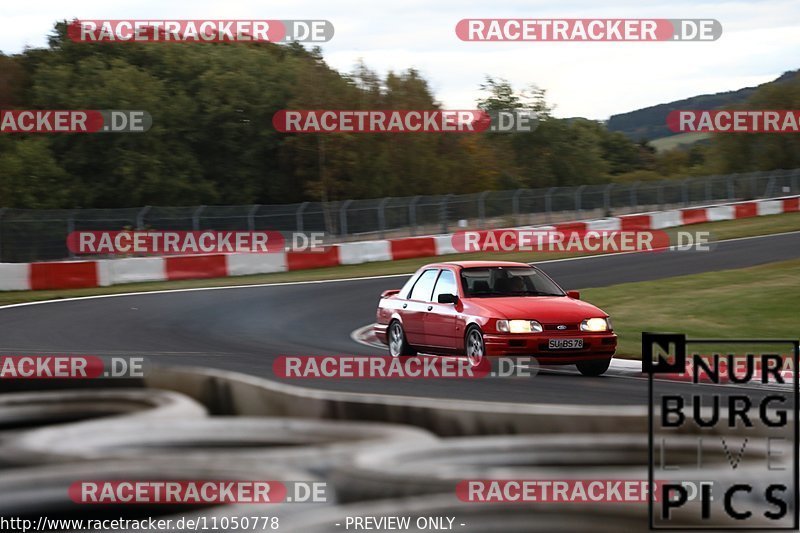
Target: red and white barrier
[(105, 272), (14, 277), (131, 270)]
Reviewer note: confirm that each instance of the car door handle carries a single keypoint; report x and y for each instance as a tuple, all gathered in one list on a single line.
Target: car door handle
[(405, 305), (430, 307)]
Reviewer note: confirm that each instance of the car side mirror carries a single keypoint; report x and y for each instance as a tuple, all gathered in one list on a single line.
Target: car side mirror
[(447, 298), (575, 295)]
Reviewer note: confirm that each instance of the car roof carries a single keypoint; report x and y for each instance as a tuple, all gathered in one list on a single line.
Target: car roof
[(479, 264)]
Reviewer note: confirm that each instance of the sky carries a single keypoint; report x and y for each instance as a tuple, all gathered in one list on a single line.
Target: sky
[(760, 41)]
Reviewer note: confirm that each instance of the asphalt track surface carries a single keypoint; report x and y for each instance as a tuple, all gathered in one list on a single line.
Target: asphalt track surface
[(245, 328)]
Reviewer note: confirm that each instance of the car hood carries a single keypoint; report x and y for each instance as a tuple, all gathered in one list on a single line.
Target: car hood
[(547, 309)]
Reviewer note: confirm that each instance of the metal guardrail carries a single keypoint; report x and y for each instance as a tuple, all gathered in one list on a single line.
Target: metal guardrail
[(35, 235)]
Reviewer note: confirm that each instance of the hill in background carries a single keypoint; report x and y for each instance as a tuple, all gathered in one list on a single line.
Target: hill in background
[(651, 122)]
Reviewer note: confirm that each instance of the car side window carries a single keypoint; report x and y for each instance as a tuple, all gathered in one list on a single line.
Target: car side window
[(405, 292), (424, 286), (446, 284)]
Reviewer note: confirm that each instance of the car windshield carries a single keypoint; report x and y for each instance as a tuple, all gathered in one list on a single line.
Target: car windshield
[(507, 281)]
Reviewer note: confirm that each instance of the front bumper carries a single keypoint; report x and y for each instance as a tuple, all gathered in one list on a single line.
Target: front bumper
[(595, 346)]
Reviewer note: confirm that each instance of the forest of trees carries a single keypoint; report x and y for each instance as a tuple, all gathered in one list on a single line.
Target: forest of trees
[(212, 141)]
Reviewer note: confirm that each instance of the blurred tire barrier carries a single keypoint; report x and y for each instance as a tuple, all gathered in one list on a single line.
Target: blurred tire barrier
[(362, 444), (26, 410), (232, 393), (443, 511), (32, 492), (315, 445), (438, 467), (480, 518)]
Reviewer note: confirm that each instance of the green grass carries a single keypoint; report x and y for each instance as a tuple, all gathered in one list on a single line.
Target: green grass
[(746, 227), (673, 141), (719, 230), (757, 302)]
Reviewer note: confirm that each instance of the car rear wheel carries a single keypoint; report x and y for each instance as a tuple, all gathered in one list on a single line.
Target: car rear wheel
[(593, 368), (398, 345), (475, 348)]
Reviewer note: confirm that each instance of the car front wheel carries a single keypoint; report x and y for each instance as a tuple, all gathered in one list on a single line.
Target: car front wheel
[(398, 345), (593, 368)]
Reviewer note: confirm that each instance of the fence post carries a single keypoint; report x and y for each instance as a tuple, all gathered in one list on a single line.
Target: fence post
[(661, 200), (343, 218), (140, 217), (607, 199), (781, 184), (753, 186), (707, 184), (718, 195), (382, 217), (730, 185), (771, 183), (634, 197), (795, 181), (412, 214), (443, 212), (482, 209), (196, 218), (251, 217), (548, 203), (2, 212), (70, 229), (578, 193), (515, 206), (299, 216), (685, 191)]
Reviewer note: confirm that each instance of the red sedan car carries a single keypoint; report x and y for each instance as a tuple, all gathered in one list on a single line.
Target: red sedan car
[(492, 308)]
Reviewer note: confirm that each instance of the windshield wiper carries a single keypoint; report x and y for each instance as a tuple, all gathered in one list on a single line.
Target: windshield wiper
[(533, 293), (512, 293), (487, 293)]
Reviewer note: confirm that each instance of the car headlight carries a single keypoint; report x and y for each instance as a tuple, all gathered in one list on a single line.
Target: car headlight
[(596, 324), (519, 326)]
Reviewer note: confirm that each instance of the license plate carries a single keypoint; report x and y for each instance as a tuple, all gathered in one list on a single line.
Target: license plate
[(565, 344)]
